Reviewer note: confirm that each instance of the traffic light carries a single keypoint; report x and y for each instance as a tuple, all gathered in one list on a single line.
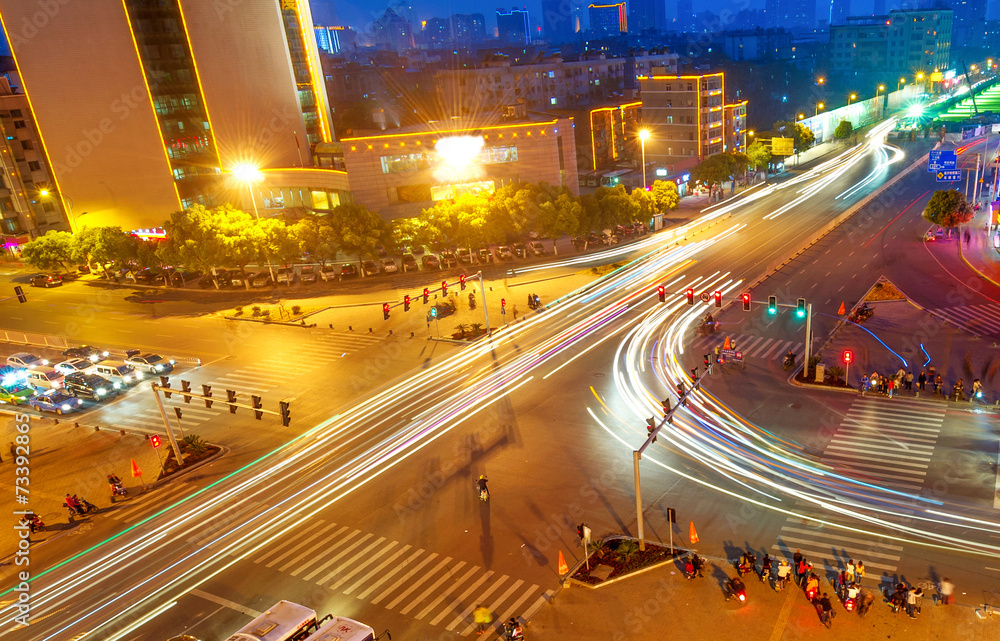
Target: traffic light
[(286, 414), (662, 293), (406, 303), (178, 412), (690, 296), (206, 390), (165, 383), (800, 308), (503, 303), (461, 282), (385, 311), (154, 440), (444, 288), (186, 386), (746, 301), (427, 295), (666, 410), (19, 292), (772, 305), (848, 356), (718, 299), (651, 427), (256, 407), (434, 312), (694, 373), (231, 397)]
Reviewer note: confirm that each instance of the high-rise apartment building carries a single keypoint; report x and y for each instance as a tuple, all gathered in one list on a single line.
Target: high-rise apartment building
[(393, 32), (335, 39), (968, 23), (685, 116), (904, 42), (735, 122), (839, 11), (647, 15), (608, 19), (685, 15), (790, 14), (512, 26), (141, 111)]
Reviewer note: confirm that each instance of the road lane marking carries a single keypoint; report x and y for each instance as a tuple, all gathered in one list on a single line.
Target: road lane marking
[(218, 600)]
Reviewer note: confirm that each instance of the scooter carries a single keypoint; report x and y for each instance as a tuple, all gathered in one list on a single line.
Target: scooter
[(861, 314), (472, 301), (736, 589), (34, 523), (789, 362), (118, 490)]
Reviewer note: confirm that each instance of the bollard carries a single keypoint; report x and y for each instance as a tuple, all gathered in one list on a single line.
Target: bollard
[(411, 334), (350, 328), (390, 332), (122, 432), (331, 325), (97, 428), (57, 421), (369, 330)]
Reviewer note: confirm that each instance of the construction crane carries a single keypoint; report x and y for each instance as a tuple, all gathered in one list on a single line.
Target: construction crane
[(972, 93)]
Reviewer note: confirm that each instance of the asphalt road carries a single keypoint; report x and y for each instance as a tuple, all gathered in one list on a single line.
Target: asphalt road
[(372, 515)]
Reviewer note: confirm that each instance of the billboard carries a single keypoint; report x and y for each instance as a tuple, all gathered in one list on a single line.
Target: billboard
[(782, 146)]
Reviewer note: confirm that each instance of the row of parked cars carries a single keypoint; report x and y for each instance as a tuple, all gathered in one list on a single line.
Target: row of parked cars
[(85, 374)]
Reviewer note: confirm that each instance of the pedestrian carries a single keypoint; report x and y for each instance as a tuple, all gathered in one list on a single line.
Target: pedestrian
[(483, 617), (937, 384), (699, 564), (688, 569), (827, 607), (531, 301), (513, 309), (859, 572), (796, 560), (717, 352), (945, 590), (968, 237), (849, 571), (864, 384), (911, 602), (804, 567), (909, 381), (921, 380), (890, 385)]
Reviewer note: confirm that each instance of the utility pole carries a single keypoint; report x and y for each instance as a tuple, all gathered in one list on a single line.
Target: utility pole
[(809, 318), (486, 312), (636, 455)]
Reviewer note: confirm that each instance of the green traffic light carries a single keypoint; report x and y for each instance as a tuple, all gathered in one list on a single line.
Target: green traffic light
[(772, 310)]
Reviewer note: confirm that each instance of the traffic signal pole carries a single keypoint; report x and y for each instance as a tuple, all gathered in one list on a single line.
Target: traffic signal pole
[(166, 424), (809, 318), (486, 312)]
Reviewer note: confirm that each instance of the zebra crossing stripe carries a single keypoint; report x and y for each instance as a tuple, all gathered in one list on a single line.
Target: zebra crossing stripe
[(872, 441), (749, 350), (312, 551), (767, 355), (496, 604), (866, 453), (341, 554), (441, 597), (311, 529), (814, 554), (400, 552), (464, 616), (885, 435), (168, 494), (388, 575), (852, 552), (416, 584), (517, 604), (346, 564), (450, 574), (372, 557), (462, 597), (880, 422), (406, 575)]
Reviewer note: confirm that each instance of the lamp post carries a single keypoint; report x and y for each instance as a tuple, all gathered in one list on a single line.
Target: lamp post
[(643, 135), (251, 174), (851, 97), (880, 88), (902, 81), (818, 107), (71, 217)]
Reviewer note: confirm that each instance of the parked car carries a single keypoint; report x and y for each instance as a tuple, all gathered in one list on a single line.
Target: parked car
[(87, 352), (57, 401), (348, 270), (409, 263), (520, 250), (448, 258), (430, 261), (152, 363), (328, 273), (370, 268), (503, 252), (90, 386), (74, 366), (46, 280), (388, 265), (536, 248), (307, 274), (285, 275), (208, 282), (464, 255), (484, 255), (149, 276), (260, 279), (180, 278), (417, 249), (237, 279), (26, 360)]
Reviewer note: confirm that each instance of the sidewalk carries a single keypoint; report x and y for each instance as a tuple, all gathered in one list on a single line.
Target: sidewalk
[(663, 604), (980, 254)]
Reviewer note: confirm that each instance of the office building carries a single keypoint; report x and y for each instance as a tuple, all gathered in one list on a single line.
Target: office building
[(608, 19), (904, 42), (685, 16), (142, 111), (456, 29), (648, 15), (333, 40), (794, 15), (684, 115), (968, 23), (28, 203), (560, 20), (393, 32), (839, 11), (512, 26), (550, 84), (400, 173), (758, 44)]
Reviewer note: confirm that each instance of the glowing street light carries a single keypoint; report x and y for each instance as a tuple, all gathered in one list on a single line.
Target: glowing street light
[(880, 88), (802, 116), (250, 174), (818, 107), (643, 135), (820, 80), (853, 96), (920, 76), (902, 81)]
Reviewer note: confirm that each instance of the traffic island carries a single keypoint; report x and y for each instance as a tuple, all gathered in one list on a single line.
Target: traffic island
[(196, 452), (618, 557), (294, 315)]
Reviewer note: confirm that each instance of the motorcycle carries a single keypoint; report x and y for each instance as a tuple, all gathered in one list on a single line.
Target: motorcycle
[(861, 314), (765, 575), (789, 362), (736, 589), (484, 492), (118, 490), (708, 328), (34, 523), (472, 301), (512, 631)]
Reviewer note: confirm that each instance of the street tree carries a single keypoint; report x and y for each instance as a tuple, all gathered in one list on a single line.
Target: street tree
[(759, 156), (106, 245), (194, 239), (241, 239), (559, 217), (665, 196), (715, 170), (645, 202), (358, 229), (46, 252), (843, 130), (616, 206), (280, 242), (802, 136), (316, 239), (948, 208)]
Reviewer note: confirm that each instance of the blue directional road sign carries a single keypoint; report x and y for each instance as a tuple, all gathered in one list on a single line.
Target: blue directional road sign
[(948, 176), (940, 159)]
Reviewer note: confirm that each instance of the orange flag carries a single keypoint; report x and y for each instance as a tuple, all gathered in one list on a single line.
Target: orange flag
[(693, 534), (136, 472)]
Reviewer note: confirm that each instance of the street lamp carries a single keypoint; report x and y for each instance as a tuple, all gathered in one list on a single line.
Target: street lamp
[(880, 88), (818, 107), (851, 97), (643, 135), (820, 80), (920, 76), (802, 116), (251, 174), (902, 81), (46, 193)]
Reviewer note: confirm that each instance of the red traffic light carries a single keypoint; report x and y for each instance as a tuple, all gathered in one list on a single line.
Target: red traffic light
[(503, 303), (461, 281), (746, 302), (385, 311), (662, 293), (718, 299), (406, 303), (848, 356), (154, 440), (427, 295), (690, 296), (444, 287)]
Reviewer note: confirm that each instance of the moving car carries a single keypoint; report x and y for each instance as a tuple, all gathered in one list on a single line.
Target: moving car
[(26, 360), (46, 280), (74, 366), (15, 394), (307, 274), (448, 258), (536, 248), (409, 263), (152, 363), (388, 265), (120, 373), (57, 401), (328, 273), (86, 352), (44, 379), (90, 386), (430, 261), (348, 271), (370, 268)]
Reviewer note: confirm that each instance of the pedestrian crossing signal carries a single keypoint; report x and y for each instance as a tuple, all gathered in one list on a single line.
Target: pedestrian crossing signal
[(848, 356)]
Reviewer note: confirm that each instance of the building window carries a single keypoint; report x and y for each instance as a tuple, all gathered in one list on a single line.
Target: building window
[(48, 206), (492, 155), (26, 144), (403, 163), (18, 124), (34, 165), (552, 101)]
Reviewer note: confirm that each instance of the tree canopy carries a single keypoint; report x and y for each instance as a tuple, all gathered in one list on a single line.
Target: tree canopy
[(843, 130), (54, 249), (718, 168), (802, 136), (758, 155), (948, 208)]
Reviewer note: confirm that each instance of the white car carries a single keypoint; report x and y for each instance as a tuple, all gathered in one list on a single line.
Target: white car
[(388, 266), (329, 273), (152, 363), (75, 365), (26, 360)]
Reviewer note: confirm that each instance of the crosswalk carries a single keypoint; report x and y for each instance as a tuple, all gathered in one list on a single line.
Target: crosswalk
[(412, 581), (979, 319), (330, 345), (135, 508), (751, 346), (149, 418), (888, 442)]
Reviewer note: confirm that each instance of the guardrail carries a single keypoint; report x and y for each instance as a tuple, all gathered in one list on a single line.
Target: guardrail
[(60, 342)]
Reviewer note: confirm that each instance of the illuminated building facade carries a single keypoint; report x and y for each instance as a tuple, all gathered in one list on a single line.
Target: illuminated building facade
[(904, 42), (606, 135), (143, 111), (333, 40), (608, 19), (399, 173), (684, 115), (512, 26), (735, 116)]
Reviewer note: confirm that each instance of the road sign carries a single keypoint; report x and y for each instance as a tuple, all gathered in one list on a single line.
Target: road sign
[(948, 176), (942, 159), (730, 356)]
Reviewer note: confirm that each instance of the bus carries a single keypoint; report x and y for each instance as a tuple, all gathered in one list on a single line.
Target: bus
[(614, 178), (343, 629), (287, 621)]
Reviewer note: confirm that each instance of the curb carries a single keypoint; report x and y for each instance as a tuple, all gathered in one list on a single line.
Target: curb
[(961, 255), (568, 578), (223, 450), (264, 321)]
